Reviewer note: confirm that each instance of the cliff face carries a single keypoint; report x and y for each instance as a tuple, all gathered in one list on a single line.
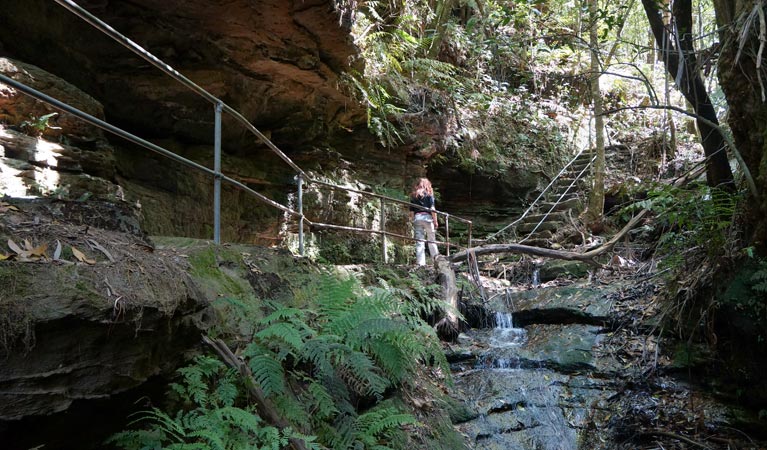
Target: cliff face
[(276, 61), (279, 62)]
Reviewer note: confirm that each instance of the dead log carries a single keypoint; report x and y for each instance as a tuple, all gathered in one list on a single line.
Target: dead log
[(587, 257), (449, 326), (264, 406)]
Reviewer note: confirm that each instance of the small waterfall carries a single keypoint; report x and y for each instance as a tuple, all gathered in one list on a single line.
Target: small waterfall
[(503, 321), (506, 363), (504, 334), (536, 277)]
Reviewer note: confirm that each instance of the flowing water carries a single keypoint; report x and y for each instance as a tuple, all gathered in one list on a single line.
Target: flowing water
[(548, 374), (527, 386)]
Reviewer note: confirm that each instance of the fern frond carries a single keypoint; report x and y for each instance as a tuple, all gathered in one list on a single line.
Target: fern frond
[(322, 405), (358, 370), (162, 423), (282, 314), (245, 420), (319, 352), (390, 420), (390, 358), (335, 296), (195, 377), (268, 373), (211, 438), (292, 410), (286, 333), (226, 391)]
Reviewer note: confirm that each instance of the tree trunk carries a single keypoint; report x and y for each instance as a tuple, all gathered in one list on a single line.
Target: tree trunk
[(443, 10), (597, 195), (687, 75), (741, 83)]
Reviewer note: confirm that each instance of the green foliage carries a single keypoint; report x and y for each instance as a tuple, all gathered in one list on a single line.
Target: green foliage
[(36, 126), (315, 366), (212, 419), (696, 218), (759, 278)]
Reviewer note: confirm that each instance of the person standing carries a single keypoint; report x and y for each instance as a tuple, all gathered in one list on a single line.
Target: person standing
[(424, 218)]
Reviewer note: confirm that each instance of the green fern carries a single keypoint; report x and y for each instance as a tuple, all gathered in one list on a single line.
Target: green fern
[(759, 278), (314, 367), (268, 373), (321, 402)]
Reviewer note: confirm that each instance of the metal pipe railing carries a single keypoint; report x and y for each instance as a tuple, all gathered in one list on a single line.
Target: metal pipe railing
[(217, 175), (535, 202), (157, 62), (387, 198), (173, 73), (559, 199), (136, 140)]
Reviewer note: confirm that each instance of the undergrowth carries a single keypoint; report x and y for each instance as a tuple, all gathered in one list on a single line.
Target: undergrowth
[(696, 235), (329, 371)]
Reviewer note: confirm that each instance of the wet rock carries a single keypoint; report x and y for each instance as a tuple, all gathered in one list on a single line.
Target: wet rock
[(576, 303), (553, 269)]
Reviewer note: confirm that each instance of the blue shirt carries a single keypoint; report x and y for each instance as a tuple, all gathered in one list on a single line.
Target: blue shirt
[(427, 201)]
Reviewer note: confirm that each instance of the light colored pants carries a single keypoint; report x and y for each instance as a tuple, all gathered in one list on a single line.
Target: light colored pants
[(424, 228)]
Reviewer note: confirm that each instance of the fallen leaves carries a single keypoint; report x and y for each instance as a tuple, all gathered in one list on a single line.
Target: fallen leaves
[(81, 256), (5, 207), (28, 252)]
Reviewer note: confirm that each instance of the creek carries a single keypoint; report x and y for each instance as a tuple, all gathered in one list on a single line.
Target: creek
[(555, 368)]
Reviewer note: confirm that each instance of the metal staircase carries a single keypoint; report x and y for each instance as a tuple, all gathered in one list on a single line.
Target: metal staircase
[(560, 201)]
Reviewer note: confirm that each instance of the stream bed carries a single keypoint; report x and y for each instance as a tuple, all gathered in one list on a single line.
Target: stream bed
[(555, 368)]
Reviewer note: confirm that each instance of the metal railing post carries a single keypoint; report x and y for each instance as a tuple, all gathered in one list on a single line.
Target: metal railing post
[(447, 233), (300, 181), (217, 174), (383, 232)]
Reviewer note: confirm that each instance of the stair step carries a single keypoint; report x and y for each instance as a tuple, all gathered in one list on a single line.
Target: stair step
[(545, 234), (585, 156), (548, 225), (562, 189), (575, 169), (573, 203), (535, 218), (536, 242), (559, 198)]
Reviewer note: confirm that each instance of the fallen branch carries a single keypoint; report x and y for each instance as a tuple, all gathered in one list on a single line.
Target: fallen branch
[(264, 406), (678, 437), (587, 257)]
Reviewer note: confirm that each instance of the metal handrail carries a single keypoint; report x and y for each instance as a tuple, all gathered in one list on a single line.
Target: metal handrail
[(384, 197), (221, 106), (167, 153), (532, 205), (561, 196), (136, 140)]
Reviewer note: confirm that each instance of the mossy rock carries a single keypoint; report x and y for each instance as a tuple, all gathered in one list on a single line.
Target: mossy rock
[(563, 269)]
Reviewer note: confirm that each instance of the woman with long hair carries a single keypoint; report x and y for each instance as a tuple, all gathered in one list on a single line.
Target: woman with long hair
[(424, 218)]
